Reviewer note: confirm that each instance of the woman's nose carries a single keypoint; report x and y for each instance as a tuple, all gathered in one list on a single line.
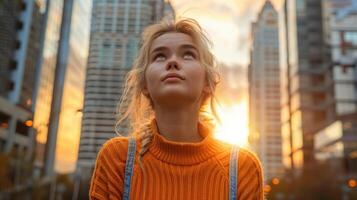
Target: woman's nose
[(172, 63)]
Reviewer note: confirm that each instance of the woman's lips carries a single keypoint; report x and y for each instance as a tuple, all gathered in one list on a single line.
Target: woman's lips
[(172, 77)]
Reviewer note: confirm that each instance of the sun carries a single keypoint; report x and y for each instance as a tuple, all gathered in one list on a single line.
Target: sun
[(234, 124)]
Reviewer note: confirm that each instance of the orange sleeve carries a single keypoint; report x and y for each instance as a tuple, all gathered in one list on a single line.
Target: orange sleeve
[(250, 177), (108, 176)]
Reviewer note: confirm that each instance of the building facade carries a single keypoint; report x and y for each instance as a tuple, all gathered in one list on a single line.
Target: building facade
[(47, 63), (20, 38), (341, 37), (114, 40), (20, 25), (337, 142), (75, 54), (307, 96), (264, 92), (69, 129)]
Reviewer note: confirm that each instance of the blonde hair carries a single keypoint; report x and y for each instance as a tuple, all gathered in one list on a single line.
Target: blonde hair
[(134, 107)]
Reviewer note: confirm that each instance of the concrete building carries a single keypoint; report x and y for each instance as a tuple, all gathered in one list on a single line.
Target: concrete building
[(20, 25), (8, 22), (307, 96), (115, 33), (69, 129), (337, 142), (264, 92), (20, 37)]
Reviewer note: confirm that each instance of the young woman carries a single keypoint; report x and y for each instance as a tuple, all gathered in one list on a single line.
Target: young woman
[(171, 153)]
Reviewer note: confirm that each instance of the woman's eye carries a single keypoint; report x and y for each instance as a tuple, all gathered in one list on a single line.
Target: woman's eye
[(159, 57), (189, 55)]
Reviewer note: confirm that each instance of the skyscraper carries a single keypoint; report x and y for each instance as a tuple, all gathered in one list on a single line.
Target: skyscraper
[(306, 95), (73, 94), (264, 92), (53, 19), (74, 58), (19, 44), (20, 23), (115, 33)]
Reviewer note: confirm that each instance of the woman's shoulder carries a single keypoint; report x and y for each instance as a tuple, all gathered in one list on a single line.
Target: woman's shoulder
[(117, 140), (246, 158), (114, 149), (249, 160), (250, 175)]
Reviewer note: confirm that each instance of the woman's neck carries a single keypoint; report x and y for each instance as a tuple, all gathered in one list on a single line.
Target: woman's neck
[(177, 124)]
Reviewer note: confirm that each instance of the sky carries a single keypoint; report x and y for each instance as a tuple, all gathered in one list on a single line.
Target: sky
[(227, 23)]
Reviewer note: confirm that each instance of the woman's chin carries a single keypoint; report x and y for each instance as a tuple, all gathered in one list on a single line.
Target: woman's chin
[(175, 97)]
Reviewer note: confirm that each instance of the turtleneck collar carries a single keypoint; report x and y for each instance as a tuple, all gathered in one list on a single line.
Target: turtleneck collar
[(183, 153)]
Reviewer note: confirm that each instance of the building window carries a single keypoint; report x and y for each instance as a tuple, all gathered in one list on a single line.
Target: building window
[(106, 54), (13, 64), (22, 129), (108, 24), (131, 49), (19, 25), (351, 37), (317, 79), (106, 44), (17, 44), (4, 120), (23, 5)]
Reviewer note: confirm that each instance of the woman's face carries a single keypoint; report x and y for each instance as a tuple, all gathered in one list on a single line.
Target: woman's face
[(175, 75)]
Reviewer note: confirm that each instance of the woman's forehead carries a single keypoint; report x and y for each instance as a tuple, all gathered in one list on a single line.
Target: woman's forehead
[(172, 39)]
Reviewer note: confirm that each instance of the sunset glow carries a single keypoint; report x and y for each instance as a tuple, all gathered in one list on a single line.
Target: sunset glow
[(234, 124)]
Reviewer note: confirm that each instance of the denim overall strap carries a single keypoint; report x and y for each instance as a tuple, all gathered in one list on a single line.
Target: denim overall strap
[(129, 167), (233, 173)]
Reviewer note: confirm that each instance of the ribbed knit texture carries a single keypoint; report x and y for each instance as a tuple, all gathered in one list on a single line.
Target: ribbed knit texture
[(176, 170)]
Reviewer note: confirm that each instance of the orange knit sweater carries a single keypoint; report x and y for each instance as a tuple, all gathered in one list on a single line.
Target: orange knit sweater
[(176, 170)]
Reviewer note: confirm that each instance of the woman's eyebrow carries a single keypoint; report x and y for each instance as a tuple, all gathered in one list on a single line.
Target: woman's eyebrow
[(188, 46), (184, 46), (160, 48)]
